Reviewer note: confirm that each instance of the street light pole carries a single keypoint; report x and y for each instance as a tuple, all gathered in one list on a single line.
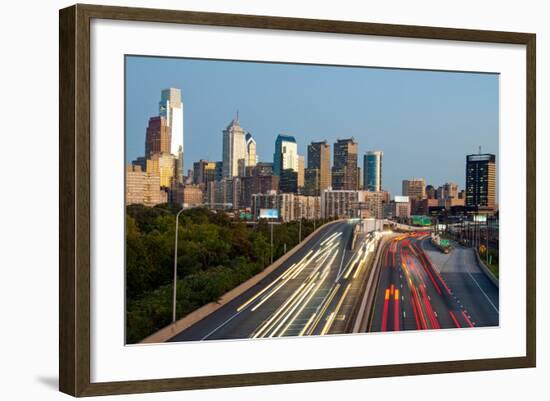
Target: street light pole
[(487, 241), (300, 232), (176, 267), (174, 291), (271, 223)]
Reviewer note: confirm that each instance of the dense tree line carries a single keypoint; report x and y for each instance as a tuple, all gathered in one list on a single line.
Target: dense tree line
[(215, 254)]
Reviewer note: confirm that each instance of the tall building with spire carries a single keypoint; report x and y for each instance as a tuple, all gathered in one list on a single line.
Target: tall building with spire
[(171, 108), (234, 150), (251, 155)]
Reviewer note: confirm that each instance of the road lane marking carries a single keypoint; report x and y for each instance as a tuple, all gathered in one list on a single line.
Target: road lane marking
[(335, 312), (307, 325), (221, 325), (467, 320), (325, 304), (272, 283), (483, 292), (293, 307)]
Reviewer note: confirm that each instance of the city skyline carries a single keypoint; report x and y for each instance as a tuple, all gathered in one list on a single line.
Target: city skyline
[(247, 204), (436, 156)]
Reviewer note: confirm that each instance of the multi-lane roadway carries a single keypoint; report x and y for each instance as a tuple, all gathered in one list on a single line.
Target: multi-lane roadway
[(318, 290), (312, 293), (421, 288)]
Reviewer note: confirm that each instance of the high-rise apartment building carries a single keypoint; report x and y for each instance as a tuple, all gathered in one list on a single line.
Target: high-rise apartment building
[(234, 150), (224, 194), (318, 168), (372, 171), (171, 108), (300, 171), (481, 181), (157, 136), (344, 170), (285, 156), (290, 206), (257, 184), (373, 203), (359, 203), (143, 188), (414, 188), (339, 203)]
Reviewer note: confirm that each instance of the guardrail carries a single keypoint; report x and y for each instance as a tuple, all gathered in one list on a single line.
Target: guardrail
[(485, 269)]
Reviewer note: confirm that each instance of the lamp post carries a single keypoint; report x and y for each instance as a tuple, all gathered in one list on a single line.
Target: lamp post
[(271, 224), (174, 294), (176, 266)]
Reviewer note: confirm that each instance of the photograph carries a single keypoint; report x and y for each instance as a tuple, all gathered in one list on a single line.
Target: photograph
[(267, 199)]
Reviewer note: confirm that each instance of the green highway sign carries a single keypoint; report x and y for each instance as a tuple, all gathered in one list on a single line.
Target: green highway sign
[(420, 221)]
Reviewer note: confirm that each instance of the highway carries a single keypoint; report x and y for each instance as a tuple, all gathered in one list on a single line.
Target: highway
[(421, 288), (312, 293)]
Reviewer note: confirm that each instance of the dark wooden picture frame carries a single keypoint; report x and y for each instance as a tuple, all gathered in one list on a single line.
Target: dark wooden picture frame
[(74, 202)]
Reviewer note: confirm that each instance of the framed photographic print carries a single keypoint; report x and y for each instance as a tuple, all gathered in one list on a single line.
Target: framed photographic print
[(250, 200)]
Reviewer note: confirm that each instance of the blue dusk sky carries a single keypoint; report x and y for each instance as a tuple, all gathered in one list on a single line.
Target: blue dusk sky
[(425, 122)]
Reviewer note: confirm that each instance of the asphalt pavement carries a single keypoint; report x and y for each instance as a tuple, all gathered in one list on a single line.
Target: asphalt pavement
[(421, 288), (301, 297)]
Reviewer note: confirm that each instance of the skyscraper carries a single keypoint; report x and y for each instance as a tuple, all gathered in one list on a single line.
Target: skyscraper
[(372, 171), (234, 150), (162, 164), (449, 190), (288, 182), (481, 181), (415, 188), (344, 170), (171, 108), (300, 171), (286, 154), (157, 137), (318, 168), (204, 171), (251, 157)]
